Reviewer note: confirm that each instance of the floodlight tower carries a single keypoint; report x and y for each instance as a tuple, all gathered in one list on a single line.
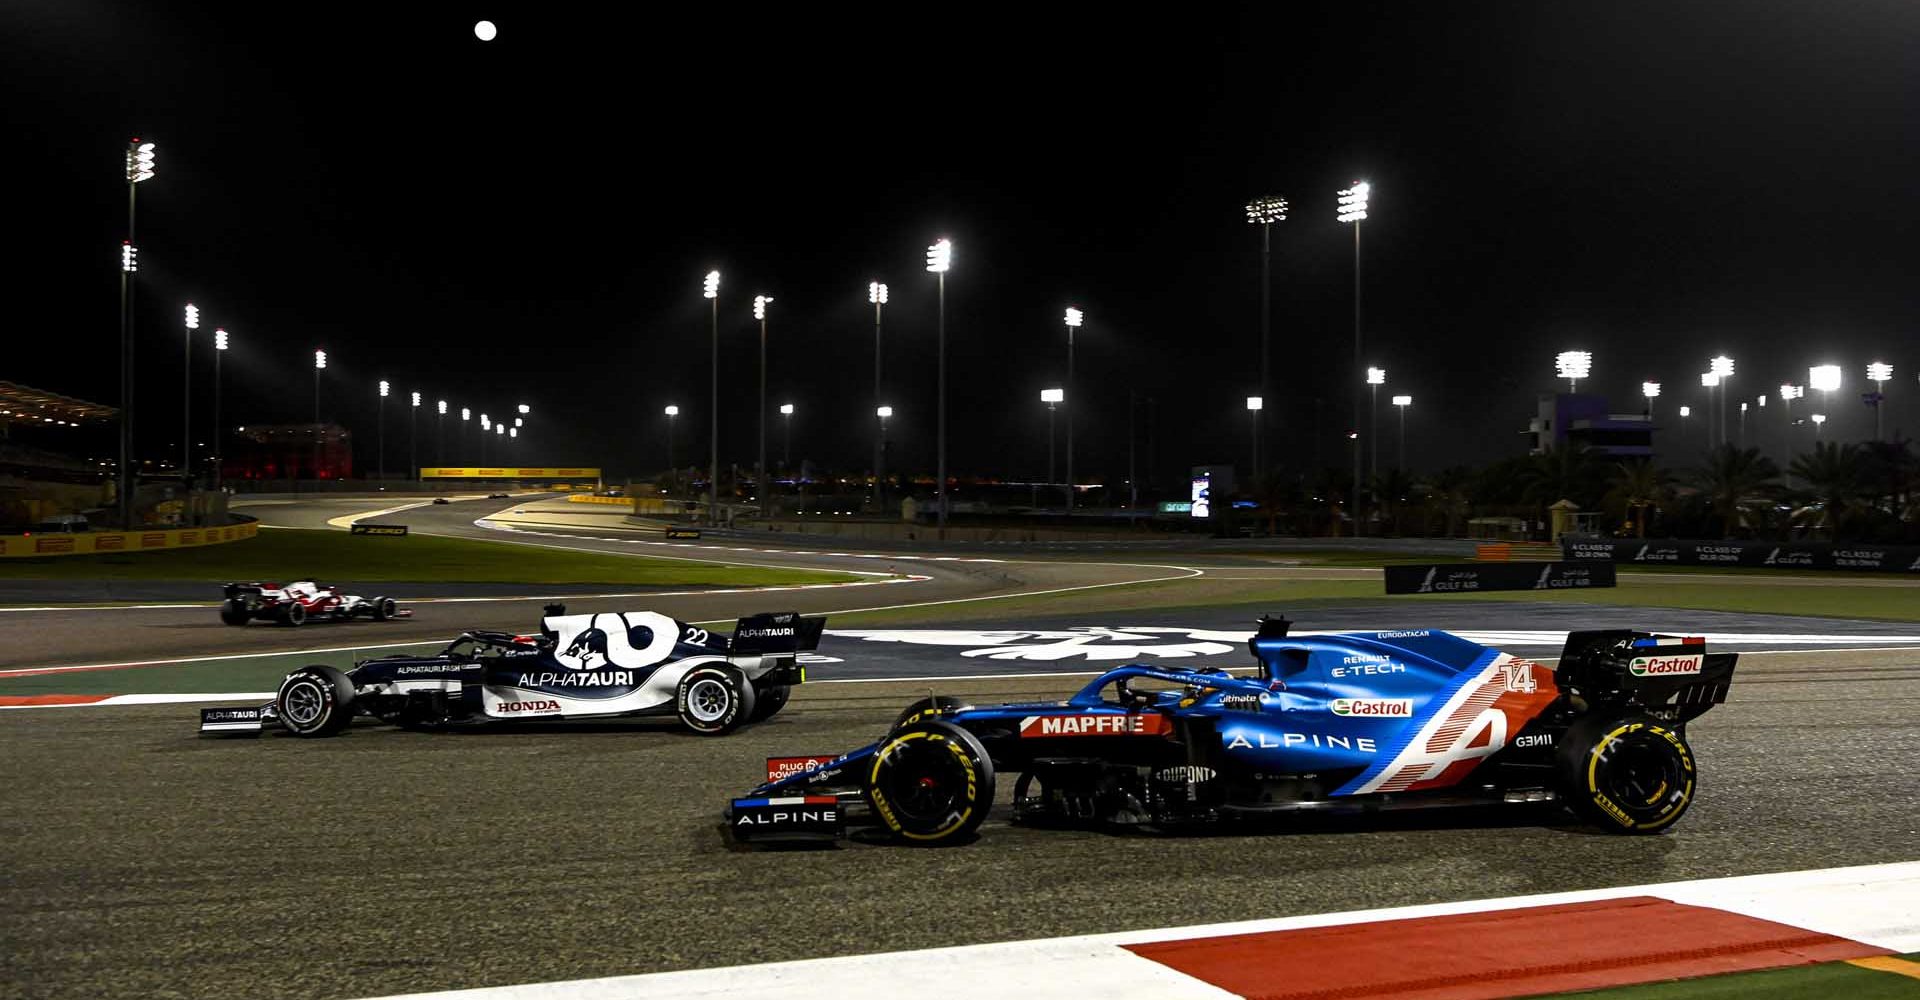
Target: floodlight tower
[(319, 365), (1255, 404), (1264, 212), (1827, 379), (786, 443), (1074, 318), (1651, 390), (766, 494), (413, 442), (1401, 403), (710, 288), (879, 468), (1376, 377), (440, 432), (1053, 398), (1573, 366), (1879, 373), (380, 431), (1819, 423), (939, 261), (1710, 382), (877, 295), (1352, 209), (673, 471), (466, 417), (1722, 366), (186, 395), (219, 431), (139, 165)]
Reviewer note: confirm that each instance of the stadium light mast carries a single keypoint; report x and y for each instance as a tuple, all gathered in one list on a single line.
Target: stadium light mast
[(466, 417), (1401, 403), (1819, 423), (710, 288), (1053, 398), (319, 365), (186, 395), (219, 431), (1074, 318), (1376, 377), (413, 443), (1352, 208), (1651, 390), (939, 261), (1879, 373), (1710, 382), (1573, 366), (1722, 366), (877, 295), (440, 432), (879, 470), (673, 471), (766, 493), (1264, 212), (1827, 379), (1255, 404), (786, 444), (380, 431), (139, 165)]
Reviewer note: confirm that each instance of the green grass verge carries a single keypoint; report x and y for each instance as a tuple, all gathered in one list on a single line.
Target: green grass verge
[(1828, 979), (284, 554)]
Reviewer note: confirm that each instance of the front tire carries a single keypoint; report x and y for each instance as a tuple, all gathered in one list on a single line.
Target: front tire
[(929, 708), (315, 701), (713, 700), (383, 608), (234, 612), (1627, 775), (769, 701), (931, 783)]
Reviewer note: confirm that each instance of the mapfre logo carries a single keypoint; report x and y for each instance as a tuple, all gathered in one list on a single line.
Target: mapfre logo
[(1095, 725), (1374, 708), (1666, 666), (540, 707)]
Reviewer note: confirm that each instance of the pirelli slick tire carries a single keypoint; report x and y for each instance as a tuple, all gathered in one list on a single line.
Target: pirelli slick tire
[(768, 701), (931, 783), (315, 701), (234, 612), (714, 699), (930, 708), (1627, 775), (383, 608), (293, 614)]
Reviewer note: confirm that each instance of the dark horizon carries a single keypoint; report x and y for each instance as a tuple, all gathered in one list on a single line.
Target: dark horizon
[(528, 219)]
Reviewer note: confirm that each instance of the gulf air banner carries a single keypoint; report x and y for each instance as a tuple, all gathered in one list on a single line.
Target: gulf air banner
[(510, 472)]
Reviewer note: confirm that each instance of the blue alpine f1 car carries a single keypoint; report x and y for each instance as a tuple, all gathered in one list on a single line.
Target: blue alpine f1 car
[(1356, 721)]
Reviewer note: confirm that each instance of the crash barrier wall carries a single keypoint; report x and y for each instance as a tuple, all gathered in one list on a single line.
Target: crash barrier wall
[(1507, 551), (889, 530), (610, 501), (1451, 578), (96, 542), (510, 472), (1771, 555)]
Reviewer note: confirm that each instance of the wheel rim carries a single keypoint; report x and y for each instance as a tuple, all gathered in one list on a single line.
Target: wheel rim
[(303, 704), (708, 700), (925, 783), (1639, 776)]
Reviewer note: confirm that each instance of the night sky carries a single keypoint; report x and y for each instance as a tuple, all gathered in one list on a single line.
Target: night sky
[(528, 219)]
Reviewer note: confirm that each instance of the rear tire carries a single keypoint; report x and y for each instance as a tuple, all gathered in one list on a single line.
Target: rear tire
[(234, 612), (929, 708), (931, 783), (383, 608), (713, 700), (1630, 775), (769, 701), (315, 701), (293, 615)]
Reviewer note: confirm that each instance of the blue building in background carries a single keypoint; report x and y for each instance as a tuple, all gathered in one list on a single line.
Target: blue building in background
[(1579, 419)]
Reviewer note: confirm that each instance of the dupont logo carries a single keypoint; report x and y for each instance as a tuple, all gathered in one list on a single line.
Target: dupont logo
[(1095, 725), (1666, 666), (1374, 708)]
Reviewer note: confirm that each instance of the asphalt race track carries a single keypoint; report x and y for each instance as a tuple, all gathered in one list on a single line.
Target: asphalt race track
[(144, 861), (152, 863)]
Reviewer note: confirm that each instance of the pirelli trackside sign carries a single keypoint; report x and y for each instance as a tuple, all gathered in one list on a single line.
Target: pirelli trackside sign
[(1458, 578), (379, 529), (512, 472), (683, 532)]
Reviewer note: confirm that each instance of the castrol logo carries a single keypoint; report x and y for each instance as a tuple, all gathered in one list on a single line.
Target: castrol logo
[(1374, 708)]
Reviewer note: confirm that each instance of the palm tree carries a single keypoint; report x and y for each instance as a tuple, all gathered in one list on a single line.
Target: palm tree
[(1453, 492), (1735, 478), (1832, 473), (1392, 487), (1636, 486)]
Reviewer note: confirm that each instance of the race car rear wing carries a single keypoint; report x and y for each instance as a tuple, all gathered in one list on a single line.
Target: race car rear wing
[(776, 632), (1670, 675)]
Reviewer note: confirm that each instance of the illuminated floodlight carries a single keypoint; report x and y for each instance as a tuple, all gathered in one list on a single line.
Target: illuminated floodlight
[(1573, 365), (219, 339), (1353, 202), (1709, 380), (500, 428), (883, 412), (1721, 366), (519, 421), (416, 399), (1651, 390), (1761, 401), (672, 410), (1403, 400), (486, 422), (877, 292), (786, 409), (441, 406), (1256, 402), (1686, 411), (1789, 393), (1376, 376), (514, 431), (940, 257), (319, 360), (139, 161), (524, 409), (710, 288), (129, 256), (1879, 371), (383, 388), (1075, 317), (1053, 395), (193, 316), (1819, 418), (466, 413), (1267, 210), (1825, 378), (760, 306), (485, 30)]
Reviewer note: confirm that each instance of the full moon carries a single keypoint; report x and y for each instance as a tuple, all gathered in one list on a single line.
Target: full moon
[(485, 31)]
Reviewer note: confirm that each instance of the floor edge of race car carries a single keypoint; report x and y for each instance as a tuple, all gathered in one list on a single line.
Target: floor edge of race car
[(1474, 950)]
